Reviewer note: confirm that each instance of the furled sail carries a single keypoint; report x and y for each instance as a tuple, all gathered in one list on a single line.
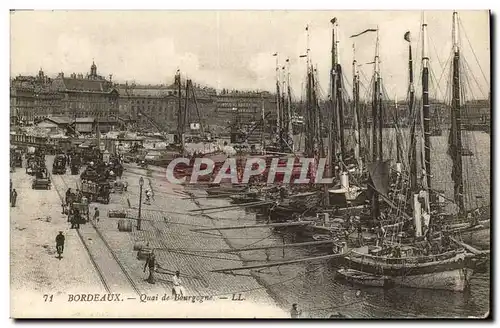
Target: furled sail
[(379, 176)]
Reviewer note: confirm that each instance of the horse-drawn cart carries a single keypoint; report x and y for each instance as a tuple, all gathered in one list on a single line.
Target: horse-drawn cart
[(96, 192), (41, 180), (59, 165), (78, 213)]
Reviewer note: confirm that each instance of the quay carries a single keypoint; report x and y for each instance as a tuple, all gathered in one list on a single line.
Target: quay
[(176, 248)]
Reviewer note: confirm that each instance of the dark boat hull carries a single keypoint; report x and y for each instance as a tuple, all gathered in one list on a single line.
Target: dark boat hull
[(453, 279), (451, 270)]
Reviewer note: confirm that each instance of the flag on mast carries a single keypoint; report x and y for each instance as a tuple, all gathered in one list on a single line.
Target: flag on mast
[(407, 36), (365, 31)]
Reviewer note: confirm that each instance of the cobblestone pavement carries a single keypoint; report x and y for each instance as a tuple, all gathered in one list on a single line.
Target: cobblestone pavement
[(35, 270), (166, 227)]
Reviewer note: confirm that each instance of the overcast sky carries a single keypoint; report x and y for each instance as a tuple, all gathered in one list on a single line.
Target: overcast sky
[(233, 49)]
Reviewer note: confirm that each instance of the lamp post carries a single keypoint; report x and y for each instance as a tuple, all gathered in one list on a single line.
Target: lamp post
[(141, 183)]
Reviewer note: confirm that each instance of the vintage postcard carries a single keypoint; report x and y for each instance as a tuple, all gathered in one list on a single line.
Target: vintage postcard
[(250, 164)]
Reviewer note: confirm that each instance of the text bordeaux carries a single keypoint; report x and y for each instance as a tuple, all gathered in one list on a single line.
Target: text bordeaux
[(94, 298)]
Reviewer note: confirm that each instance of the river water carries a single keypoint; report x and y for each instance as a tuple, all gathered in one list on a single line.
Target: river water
[(313, 285)]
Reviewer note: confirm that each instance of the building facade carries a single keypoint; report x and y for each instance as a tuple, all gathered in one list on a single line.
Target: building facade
[(157, 106), (32, 98), (235, 109), (87, 96), (149, 106)]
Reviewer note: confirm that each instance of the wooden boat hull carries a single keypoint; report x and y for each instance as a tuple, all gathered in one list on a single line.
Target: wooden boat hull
[(403, 266), (450, 270), (454, 280), (475, 236)]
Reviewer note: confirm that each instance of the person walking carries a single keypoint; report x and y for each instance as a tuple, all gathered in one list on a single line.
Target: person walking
[(13, 198), (151, 265), (178, 289), (360, 235), (77, 218), (148, 197), (60, 244), (294, 312), (96, 215)]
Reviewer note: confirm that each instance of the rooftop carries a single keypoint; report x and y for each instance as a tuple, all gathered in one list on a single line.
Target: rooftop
[(85, 120)]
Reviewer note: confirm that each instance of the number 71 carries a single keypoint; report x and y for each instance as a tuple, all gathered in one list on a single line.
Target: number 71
[(47, 298)]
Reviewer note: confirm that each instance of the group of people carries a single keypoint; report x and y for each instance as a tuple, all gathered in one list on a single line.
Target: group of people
[(75, 215), (73, 197), (152, 265)]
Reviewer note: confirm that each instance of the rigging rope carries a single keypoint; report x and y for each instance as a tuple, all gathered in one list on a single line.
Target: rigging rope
[(472, 49)]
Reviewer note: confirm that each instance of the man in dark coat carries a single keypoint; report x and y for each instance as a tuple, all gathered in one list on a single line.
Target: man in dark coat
[(96, 215), (151, 265), (75, 219), (294, 312), (13, 198), (60, 243)]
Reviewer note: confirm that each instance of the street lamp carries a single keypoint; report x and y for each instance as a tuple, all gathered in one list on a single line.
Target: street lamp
[(141, 183)]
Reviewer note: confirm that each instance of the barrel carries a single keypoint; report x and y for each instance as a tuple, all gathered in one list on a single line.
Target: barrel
[(124, 225), (117, 213), (143, 253)]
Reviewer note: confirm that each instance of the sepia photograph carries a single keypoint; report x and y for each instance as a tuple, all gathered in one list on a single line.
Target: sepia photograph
[(187, 164)]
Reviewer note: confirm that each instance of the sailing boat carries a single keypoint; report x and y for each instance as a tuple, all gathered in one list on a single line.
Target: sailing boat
[(412, 265), (475, 221), (344, 193)]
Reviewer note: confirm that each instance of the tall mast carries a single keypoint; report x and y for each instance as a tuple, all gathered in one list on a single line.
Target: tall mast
[(398, 146), (187, 117), (180, 124), (412, 160), (357, 118), (456, 146), (309, 121), (309, 135), (339, 103), (278, 96), (317, 125), (375, 105), (379, 99), (425, 108), (289, 108), (332, 117), (375, 209), (263, 118), (330, 151), (284, 118)]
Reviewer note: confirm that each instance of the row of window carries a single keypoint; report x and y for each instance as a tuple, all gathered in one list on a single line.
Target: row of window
[(152, 108), (94, 114)]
